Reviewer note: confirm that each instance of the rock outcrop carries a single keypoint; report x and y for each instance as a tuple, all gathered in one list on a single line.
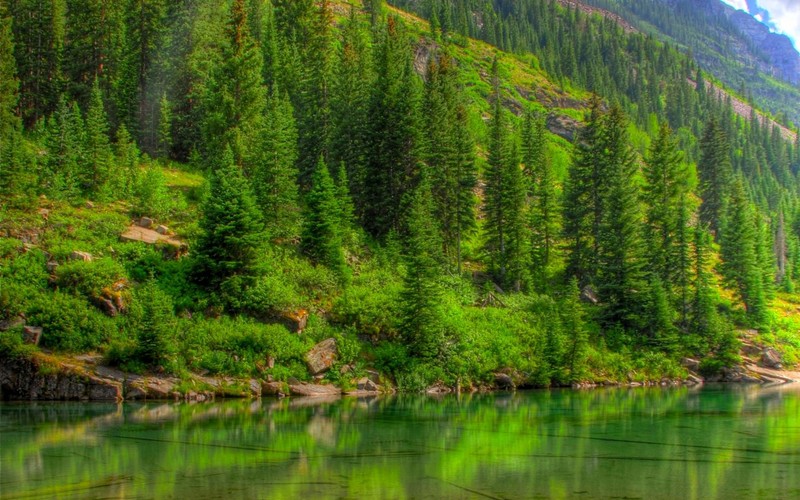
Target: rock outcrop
[(32, 379), (321, 357)]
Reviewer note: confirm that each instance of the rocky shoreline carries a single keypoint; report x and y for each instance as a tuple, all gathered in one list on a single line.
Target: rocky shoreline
[(47, 377)]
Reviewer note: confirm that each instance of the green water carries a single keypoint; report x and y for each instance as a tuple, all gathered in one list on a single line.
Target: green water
[(727, 443)]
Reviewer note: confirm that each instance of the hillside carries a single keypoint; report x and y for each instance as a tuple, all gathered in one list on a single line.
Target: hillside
[(730, 44), (296, 191)]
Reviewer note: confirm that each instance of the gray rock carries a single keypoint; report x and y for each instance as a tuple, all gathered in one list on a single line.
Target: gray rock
[(84, 256), (589, 295), (367, 385), (771, 358), (162, 229), (52, 266), (504, 381), (273, 389), (322, 356), (32, 334), (690, 364), (145, 222), (313, 390)]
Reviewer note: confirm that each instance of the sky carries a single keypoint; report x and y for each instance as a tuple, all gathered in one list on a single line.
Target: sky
[(783, 16)]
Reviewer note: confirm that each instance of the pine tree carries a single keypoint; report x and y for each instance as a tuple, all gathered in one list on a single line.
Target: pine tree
[(273, 169), (544, 210), (164, 127), (350, 101), (9, 98), (394, 154), (704, 314), (466, 173), (572, 321), (422, 295), (155, 326), (127, 161), (582, 201), (322, 232), (738, 250), (234, 100), (98, 146), (504, 200), (232, 228), (715, 174), (620, 260), (664, 191), (312, 106), (66, 152)]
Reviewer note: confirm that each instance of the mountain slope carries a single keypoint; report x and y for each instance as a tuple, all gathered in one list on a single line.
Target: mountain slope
[(731, 44)]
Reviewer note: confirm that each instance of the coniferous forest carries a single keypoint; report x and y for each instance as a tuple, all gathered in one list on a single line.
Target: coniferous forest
[(520, 187)]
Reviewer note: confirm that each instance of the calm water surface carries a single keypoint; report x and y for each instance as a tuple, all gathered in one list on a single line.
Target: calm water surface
[(735, 442)]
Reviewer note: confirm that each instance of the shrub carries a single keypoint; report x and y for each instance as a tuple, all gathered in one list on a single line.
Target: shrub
[(89, 278), (70, 323)]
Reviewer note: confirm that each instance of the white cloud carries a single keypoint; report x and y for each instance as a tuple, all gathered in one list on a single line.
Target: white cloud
[(737, 4)]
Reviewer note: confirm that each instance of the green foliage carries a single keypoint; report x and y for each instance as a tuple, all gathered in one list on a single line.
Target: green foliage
[(69, 322), (89, 278), (322, 229)]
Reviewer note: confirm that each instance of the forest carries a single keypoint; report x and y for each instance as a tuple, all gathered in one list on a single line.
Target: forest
[(404, 186)]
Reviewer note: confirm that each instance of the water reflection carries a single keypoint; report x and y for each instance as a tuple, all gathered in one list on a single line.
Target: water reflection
[(724, 442)]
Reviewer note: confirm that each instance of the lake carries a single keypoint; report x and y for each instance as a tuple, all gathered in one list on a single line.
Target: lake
[(714, 442)]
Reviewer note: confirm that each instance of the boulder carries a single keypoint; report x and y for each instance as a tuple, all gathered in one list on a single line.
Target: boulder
[(589, 295), (274, 389), (84, 256), (367, 385), (690, 364), (295, 321), (145, 222), (438, 390), (52, 266), (322, 356), (771, 358), (503, 381), (162, 229), (313, 390), (32, 334), (108, 307), (89, 205)]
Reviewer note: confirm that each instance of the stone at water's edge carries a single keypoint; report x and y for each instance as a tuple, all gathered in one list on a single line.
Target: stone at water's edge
[(771, 358), (303, 389), (23, 379), (321, 357)]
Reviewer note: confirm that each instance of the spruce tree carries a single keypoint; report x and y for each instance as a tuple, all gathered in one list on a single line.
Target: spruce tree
[(273, 169), (322, 232), (10, 136), (739, 253), (394, 153), (231, 228), (715, 174), (664, 191), (544, 210), (620, 260), (582, 201), (164, 127), (233, 102), (350, 101), (422, 294), (98, 146), (155, 326), (504, 200), (66, 152)]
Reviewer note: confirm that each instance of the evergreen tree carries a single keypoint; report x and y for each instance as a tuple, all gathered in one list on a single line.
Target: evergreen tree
[(66, 152), (738, 251), (98, 146), (544, 210), (715, 174), (664, 191), (572, 321), (322, 232), (620, 260), (127, 161), (234, 101), (422, 295), (704, 313), (350, 102), (504, 199), (10, 137), (155, 326), (394, 154), (582, 202), (231, 228), (164, 127), (274, 172), (466, 175)]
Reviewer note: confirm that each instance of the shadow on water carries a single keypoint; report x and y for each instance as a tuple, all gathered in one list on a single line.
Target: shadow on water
[(716, 442)]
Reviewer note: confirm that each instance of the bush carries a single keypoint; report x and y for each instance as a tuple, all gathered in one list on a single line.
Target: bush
[(89, 278), (70, 323)]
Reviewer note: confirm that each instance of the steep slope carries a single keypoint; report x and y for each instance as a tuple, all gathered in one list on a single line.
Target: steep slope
[(731, 44)]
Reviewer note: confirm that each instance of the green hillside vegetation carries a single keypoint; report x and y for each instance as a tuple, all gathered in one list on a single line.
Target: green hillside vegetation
[(394, 180)]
